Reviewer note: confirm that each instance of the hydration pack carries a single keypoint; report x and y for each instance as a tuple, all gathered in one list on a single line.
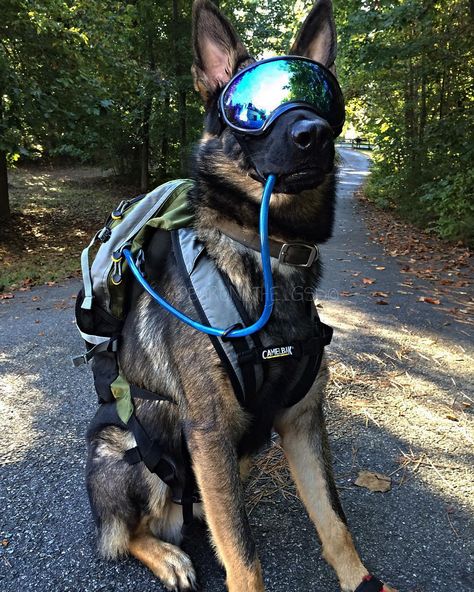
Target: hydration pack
[(103, 303)]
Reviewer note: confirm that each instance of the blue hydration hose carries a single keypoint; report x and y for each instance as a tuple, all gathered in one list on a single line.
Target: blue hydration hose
[(267, 279)]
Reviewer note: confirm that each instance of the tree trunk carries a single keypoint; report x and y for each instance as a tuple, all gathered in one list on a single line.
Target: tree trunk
[(147, 111), (4, 197), (5, 213), (165, 146), (145, 147), (182, 130), (183, 136), (423, 106)]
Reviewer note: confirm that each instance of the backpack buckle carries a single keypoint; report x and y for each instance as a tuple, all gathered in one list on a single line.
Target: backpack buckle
[(104, 234), (80, 360), (117, 259)]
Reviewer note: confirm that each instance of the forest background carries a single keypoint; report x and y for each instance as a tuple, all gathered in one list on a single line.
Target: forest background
[(107, 83)]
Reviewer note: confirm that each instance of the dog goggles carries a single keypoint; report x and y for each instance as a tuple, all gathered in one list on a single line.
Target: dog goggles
[(258, 94)]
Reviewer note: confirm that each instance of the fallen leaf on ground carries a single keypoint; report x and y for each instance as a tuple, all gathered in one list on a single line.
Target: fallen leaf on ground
[(383, 302), (452, 417), (380, 268), (380, 294), (374, 481), (61, 305), (346, 294), (429, 300), (368, 281), (7, 296)]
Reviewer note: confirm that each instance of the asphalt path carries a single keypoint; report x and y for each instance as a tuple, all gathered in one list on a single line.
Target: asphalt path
[(46, 530)]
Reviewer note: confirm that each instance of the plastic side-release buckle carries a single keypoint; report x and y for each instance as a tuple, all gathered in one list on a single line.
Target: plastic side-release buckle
[(110, 345), (104, 234)]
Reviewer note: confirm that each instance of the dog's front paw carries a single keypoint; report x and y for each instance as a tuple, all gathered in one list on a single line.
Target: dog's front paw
[(176, 570)]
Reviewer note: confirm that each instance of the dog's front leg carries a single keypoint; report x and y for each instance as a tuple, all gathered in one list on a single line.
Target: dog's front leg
[(304, 440), (217, 473)]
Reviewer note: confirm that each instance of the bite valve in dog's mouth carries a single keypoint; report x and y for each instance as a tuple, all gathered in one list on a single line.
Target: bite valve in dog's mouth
[(297, 181)]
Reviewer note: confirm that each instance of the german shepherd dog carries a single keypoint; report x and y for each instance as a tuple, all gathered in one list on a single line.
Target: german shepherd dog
[(133, 507)]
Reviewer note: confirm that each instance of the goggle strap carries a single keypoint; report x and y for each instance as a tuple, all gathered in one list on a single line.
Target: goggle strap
[(247, 153)]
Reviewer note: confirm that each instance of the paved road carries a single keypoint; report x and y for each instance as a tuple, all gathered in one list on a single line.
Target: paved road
[(45, 407)]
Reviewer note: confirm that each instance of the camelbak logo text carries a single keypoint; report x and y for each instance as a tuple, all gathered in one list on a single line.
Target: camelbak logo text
[(277, 352)]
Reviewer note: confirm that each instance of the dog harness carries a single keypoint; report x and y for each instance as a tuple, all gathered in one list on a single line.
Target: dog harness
[(217, 303)]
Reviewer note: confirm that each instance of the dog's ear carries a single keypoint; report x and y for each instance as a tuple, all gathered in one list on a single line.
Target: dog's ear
[(217, 49), (317, 36)]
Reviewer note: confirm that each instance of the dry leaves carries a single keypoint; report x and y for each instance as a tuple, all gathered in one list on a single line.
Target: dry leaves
[(429, 300), (447, 266), (373, 481)]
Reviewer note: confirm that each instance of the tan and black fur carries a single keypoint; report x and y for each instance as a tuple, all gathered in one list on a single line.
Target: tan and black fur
[(133, 509)]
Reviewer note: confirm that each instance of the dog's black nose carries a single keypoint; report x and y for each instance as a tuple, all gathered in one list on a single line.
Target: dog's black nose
[(309, 134)]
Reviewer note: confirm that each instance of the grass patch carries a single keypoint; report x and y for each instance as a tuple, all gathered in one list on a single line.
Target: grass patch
[(55, 212)]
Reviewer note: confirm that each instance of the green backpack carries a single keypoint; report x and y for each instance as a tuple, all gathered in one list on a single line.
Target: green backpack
[(101, 305)]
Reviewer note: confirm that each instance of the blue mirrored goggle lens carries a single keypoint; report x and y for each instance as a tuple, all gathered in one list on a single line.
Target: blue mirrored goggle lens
[(254, 94)]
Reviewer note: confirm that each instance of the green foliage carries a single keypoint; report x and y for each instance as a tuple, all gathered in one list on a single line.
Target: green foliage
[(407, 67), (109, 81), (450, 201), (99, 80)]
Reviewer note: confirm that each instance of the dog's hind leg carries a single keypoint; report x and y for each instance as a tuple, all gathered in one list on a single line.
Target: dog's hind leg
[(133, 508), (304, 440), (168, 562)]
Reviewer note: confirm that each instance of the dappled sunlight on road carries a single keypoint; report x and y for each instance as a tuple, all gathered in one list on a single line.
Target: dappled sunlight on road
[(414, 385), (19, 404)]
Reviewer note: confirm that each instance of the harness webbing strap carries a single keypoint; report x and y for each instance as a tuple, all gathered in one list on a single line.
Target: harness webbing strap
[(141, 393), (151, 452), (253, 376), (299, 349), (108, 345), (223, 349), (153, 455), (248, 372), (323, 337), (86, 275), (300, 390)]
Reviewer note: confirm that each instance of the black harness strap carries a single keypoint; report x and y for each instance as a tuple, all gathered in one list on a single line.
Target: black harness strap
[(142, 393), (151, 452), (299, 349), (241, 347), (190, 493), (203, 318), (315, 349), (153, 455), (248, 372)]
